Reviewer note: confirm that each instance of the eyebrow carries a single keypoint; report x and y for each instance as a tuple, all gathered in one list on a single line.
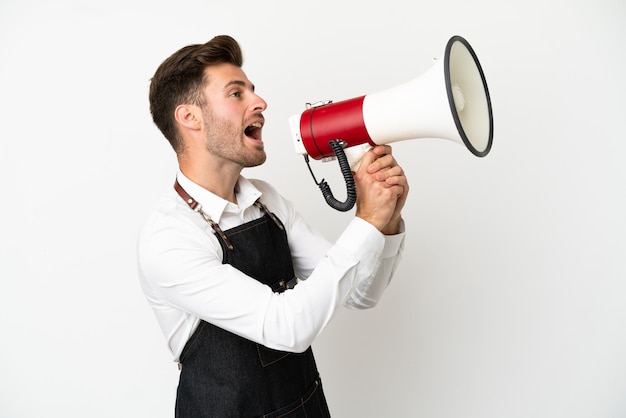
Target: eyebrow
[(238, 83)]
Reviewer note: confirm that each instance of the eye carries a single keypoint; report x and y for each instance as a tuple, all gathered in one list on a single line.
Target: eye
[(235, 94)]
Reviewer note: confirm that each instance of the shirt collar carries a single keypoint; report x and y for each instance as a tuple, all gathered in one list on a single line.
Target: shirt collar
[(213, 205)]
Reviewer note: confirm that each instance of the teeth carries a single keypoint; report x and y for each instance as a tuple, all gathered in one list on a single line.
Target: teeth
[(257, 125)]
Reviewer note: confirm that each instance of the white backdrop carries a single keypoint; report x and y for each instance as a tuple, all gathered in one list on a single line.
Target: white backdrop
[(510, 301)]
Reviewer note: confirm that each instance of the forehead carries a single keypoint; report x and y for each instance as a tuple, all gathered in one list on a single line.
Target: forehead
[(220, 76)]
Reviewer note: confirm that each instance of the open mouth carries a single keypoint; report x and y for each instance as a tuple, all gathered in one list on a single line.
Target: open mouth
[(254, 131)]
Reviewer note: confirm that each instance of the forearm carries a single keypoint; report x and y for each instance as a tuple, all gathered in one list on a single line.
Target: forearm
[(191, 282), (370, 290)]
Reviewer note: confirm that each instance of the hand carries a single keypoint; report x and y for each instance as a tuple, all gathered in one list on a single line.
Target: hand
[(382, 189)]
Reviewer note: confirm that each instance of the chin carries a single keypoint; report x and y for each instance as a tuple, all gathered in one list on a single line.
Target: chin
[(256, 161)]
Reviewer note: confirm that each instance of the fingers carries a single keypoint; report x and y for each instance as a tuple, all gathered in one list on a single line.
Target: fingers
[(383, 165), (370, 156), (380, 158), (382, 189), (377, 158), (388, 173)]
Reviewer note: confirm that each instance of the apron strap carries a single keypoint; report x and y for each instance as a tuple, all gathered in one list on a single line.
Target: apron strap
[(197, 207)]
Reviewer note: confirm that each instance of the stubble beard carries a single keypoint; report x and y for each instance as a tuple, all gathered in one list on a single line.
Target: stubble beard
[(229, 143)]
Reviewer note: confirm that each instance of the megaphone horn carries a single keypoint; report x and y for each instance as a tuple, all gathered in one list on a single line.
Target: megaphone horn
[(450, 101)]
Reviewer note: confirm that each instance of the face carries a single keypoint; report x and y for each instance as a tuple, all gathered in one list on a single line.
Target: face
[(233, 117)]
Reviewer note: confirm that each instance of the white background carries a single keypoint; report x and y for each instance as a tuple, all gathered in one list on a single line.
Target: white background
[(511, 299)]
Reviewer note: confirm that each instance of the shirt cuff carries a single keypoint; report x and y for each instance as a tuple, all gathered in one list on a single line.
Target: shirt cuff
[(362, 239), (394, 242)]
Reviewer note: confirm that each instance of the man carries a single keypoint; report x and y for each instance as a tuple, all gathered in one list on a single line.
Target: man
[(239, 283)]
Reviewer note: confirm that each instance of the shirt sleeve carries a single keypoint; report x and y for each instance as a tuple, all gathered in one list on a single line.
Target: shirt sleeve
[(370, 289), (181, 270), (375, 266), (374, 269)]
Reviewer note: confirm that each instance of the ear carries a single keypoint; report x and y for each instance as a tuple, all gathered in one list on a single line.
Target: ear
[(189, 117)]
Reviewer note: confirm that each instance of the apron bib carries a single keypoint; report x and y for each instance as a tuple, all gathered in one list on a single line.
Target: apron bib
[(225, 375)]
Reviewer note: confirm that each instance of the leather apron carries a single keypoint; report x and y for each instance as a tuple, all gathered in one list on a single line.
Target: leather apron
[(225, 375)]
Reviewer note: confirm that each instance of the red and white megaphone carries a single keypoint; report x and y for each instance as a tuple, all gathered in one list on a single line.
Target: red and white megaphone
[(450, 101)]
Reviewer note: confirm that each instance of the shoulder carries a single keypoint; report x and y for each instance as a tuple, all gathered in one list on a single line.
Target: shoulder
[(275, 201), (171, 217)]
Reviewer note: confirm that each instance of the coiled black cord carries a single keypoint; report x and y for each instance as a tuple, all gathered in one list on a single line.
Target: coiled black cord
[(348, 204)]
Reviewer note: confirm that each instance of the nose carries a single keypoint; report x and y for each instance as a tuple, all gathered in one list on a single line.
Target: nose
[(259, 104)]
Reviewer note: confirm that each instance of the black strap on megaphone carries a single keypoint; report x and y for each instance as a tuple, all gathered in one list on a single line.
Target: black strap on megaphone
[(346, 205)]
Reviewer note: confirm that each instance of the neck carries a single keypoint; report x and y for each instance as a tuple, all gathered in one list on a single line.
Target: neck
[(220, 181)]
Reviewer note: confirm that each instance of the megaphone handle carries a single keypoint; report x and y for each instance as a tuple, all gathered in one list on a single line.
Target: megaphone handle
[(344, 165)]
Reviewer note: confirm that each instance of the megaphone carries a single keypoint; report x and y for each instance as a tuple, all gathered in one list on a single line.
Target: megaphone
[(450, 101)]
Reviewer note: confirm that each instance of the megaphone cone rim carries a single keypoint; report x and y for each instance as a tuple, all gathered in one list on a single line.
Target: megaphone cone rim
[(455, 115)]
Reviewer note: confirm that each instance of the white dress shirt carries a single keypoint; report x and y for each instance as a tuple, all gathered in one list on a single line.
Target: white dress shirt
[(184, 280)]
